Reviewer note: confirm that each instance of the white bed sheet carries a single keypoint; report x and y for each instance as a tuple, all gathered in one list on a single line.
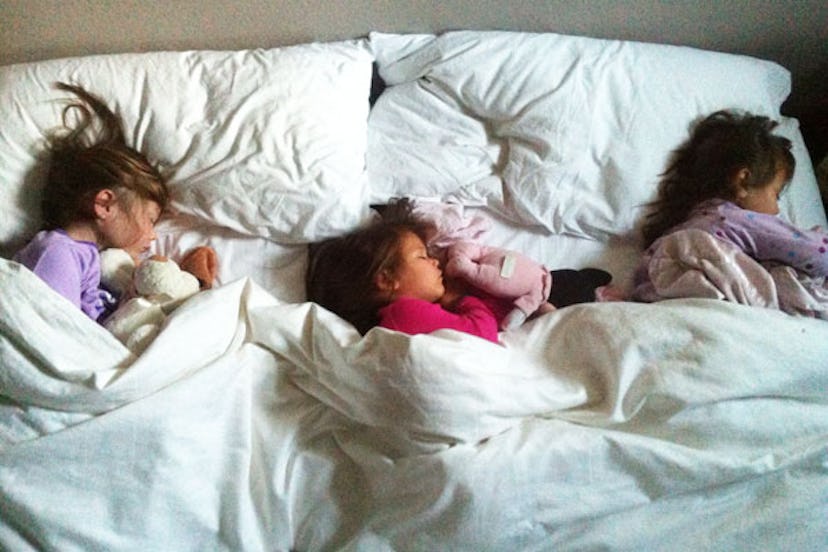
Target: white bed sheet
[(256, 421), (276, 267), (569, 133), (620, 426), (280, 268)]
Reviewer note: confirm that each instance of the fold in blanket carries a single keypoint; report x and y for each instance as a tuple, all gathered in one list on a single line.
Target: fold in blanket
[(253, 424), (692, 263)]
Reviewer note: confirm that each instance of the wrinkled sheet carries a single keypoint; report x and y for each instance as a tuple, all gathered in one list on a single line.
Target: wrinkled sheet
[(257, 141), (252, 424), (693, 263), (566, 132)]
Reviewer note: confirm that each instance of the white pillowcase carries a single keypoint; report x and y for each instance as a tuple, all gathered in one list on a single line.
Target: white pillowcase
[(424, 145), (265, 142), (574, 130)]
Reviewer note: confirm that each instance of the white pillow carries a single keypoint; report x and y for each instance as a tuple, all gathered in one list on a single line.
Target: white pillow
[(265, 142), (418, 155), (584, 126)]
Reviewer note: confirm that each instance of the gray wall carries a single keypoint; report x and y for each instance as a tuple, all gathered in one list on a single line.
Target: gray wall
[(793, 33)]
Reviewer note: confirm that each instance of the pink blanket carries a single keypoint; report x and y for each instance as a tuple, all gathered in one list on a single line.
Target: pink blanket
[(692, 263)]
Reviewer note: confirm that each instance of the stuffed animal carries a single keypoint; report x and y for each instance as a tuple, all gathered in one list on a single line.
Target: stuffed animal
[(502, 273), (150, 291), (454, 240)]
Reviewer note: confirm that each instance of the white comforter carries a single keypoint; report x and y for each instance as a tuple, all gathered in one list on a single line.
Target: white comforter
[(250, 424)]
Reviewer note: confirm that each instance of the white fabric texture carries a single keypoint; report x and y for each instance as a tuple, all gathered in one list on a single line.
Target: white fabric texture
[(265, 142), (251, 424), (256, 421), (567, 132)]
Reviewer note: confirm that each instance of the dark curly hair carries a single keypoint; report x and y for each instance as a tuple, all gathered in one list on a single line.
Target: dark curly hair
[(706, 165), (342, 271)]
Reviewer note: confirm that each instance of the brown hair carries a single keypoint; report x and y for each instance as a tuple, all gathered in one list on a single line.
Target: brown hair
[(342, 271), (705, 166), (81, 166)]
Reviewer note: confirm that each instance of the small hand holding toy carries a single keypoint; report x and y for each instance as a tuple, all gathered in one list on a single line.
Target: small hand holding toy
[(151, 290), (502, 273)]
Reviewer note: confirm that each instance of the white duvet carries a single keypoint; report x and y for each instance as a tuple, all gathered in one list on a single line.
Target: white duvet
[(252, 424), (256, 421)]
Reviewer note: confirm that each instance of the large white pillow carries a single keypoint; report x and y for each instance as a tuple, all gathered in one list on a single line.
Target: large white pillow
[(423, 145), (265, 142), (577, 130)]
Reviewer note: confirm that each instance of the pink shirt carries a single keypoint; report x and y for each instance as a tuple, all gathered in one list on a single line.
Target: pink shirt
[(415, 316)]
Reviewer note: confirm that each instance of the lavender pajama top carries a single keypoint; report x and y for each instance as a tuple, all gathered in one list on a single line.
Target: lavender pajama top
[(70, 267), (763, 237)]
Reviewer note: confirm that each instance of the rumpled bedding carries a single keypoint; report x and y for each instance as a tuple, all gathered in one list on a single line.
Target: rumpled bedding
[(257, 421), (693, 263), (253, 424)]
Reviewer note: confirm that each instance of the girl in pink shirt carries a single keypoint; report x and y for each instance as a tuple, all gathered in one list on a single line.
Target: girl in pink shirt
[(382, 275), (418, 301)]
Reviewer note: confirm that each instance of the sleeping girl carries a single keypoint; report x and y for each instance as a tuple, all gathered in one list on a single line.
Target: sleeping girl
[(722, 188), (382, 275), (99, 193)]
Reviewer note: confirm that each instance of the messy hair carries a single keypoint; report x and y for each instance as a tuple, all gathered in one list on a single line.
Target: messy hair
[(706, 165), (87, 158), (342, 271)]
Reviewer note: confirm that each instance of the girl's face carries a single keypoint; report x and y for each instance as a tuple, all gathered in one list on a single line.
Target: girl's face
[(765, 199), (416, 275), (130, 226)]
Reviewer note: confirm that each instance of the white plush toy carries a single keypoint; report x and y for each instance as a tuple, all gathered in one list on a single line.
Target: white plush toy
[(147, 293)]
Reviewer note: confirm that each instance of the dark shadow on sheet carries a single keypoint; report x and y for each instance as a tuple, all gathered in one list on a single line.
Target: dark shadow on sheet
[(27, 200)]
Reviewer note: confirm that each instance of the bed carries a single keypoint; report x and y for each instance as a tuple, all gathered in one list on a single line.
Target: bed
[(259, 421)]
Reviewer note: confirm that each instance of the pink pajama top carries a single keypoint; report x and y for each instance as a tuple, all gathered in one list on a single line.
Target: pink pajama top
[(472, 315)]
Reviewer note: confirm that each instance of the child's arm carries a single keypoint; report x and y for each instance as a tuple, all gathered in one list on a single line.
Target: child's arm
[(770, 238), (414, 316), (59, 268), (456, 289)]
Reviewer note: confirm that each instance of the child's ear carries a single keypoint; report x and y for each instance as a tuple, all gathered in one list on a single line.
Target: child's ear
[(105, 201), (385, 281), (739, 183)]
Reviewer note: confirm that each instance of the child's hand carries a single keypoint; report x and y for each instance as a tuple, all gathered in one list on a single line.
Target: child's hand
[(136, 252), (455, 290)]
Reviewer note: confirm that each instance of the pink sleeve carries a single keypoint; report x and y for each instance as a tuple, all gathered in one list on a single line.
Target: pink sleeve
[(415, 316)]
